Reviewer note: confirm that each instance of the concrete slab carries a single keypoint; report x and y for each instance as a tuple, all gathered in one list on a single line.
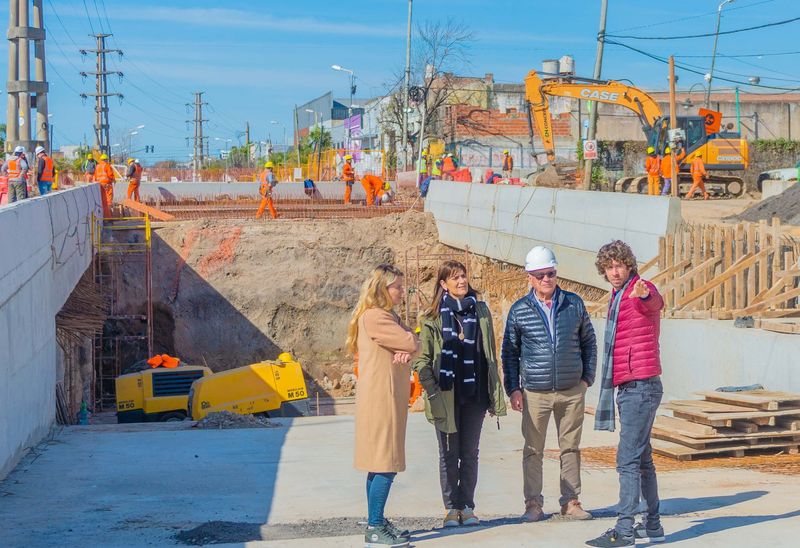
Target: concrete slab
[(138, 486)]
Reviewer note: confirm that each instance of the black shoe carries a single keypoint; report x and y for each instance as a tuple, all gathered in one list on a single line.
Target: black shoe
[(397, 532), (611, 539), (651, 535)]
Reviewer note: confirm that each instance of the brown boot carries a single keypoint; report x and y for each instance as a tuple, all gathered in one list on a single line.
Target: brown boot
[(533, 511), (573, 510)]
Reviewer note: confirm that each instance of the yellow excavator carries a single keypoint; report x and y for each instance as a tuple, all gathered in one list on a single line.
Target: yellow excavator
[(724, 151)]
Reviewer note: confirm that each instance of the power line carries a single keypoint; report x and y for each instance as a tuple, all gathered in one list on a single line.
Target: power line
[(690, 17), (99, 20), (58, 17), (89, 17), (740, 55), (706, 35)]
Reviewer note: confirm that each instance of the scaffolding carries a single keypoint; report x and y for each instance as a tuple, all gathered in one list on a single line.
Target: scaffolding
[(122, 246)]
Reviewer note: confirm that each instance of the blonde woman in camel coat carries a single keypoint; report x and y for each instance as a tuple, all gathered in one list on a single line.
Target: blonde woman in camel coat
[(385, 348)]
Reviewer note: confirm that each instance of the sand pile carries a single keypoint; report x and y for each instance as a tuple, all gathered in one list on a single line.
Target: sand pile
[(785, 206)]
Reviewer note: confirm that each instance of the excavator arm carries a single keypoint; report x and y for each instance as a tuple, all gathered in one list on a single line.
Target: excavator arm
[(611, 92)]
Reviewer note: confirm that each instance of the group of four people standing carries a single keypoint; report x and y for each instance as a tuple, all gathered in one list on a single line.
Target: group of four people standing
[(549, 356)]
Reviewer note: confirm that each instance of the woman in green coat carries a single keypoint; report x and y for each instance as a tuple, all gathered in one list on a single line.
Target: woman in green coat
[(457, 367)]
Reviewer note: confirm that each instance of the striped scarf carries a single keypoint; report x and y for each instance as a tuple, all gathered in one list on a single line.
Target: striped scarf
[(605, 415), (460, 347)]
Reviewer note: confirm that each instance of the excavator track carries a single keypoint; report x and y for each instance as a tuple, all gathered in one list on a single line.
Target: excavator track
[(718, 186)]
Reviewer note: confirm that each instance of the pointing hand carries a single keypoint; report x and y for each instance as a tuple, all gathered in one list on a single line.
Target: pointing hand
[(640, 290)]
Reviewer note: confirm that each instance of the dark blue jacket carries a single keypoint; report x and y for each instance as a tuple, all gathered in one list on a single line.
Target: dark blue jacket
[(530, 358)]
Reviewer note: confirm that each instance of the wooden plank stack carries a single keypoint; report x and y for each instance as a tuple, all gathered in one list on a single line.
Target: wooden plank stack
[(729, 424)]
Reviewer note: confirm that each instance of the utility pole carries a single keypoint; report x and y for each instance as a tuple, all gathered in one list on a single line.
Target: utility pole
[(101, 94), (247, 141), (673, 124), (199, 140), (598, 65), (714, 51), (406, 86), (24, 93)]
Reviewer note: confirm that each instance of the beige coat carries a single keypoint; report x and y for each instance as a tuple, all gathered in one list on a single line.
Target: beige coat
[(382, 392)]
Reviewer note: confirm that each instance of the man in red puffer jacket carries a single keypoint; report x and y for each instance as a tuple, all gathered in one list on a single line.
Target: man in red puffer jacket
[(632, 366)]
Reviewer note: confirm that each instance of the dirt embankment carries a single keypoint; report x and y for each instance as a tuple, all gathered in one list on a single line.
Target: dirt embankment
[(785, 206)]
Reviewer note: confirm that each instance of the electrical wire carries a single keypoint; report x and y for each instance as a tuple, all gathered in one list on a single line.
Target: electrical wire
[(89, 17), (61, 22), (690, 17), (706, 35)]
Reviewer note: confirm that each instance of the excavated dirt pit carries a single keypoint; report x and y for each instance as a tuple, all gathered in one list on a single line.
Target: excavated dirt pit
[(228, 293)]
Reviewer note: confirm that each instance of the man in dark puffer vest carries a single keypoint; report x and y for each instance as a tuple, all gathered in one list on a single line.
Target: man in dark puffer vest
[(549, 359)]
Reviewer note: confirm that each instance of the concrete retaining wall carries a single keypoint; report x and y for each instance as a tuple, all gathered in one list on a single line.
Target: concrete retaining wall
[(178, 191), (504, 222), (45, 247), (772, 188), (703, 355)]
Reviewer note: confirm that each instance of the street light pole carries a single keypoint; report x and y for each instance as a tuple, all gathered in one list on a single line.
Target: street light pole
[(407, 85), (714, 52), (350, 108)]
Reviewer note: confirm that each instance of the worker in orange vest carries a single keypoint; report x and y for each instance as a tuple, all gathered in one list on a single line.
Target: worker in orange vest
[(104, 174), (45, 171), (268, 182), (134, 176), (653, 168), (349, 177), (698, 171), (16, 169), (448, 167), (666, 169), (508, 164), (373, 186)]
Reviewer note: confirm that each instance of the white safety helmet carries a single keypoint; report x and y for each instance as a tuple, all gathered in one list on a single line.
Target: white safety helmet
[(39, 149), (539, 258), (19, 150), (136, 161)]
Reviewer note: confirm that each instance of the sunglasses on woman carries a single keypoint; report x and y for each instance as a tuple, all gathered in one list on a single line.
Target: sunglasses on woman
[(542, 275)]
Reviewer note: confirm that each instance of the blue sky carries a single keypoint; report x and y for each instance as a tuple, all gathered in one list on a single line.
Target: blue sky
[(254, 60)]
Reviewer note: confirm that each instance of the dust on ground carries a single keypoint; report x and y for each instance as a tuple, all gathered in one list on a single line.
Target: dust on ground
[(702, 212), (221, 420), (771, 463), (785, 206)]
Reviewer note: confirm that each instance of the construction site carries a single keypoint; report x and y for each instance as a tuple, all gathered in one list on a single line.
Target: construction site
[(173, 360)]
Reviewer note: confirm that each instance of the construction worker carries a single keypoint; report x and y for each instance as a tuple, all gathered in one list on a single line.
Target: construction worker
[(88, 168), (666, 169), (45, 171), (16, 169), (349, 176), (373, 186), (133, 181), (422, 167), (436, 169), (104, 174), (698, 171), (508, 164), (268, 182), (448, 167), (653, 168)]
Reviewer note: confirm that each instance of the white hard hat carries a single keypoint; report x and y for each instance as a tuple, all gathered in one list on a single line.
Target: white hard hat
[(19, 150), (136, 161), (39, 149), (540, 257)]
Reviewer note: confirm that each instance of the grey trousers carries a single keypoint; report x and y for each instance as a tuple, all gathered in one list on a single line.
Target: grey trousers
[(17, 191)]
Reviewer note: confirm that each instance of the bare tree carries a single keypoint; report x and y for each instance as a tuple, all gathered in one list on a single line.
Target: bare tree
[(440, 48)]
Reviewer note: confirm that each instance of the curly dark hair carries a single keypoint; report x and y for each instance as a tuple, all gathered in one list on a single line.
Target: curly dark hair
[(615, 251)]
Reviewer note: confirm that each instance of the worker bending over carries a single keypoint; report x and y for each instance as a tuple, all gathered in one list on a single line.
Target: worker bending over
[(653, 168), (268, 182), (104, 174), (698, 171), (134, 175), (449, 167), (45, 171), (373, 186), (508, 164), (349, 177)]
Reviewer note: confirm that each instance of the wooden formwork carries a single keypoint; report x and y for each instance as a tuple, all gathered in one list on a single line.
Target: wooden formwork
[(724, 272)]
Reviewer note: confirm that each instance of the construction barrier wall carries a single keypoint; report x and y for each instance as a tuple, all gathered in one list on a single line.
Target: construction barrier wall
[(505, 222), (167, 192), (45, 247)]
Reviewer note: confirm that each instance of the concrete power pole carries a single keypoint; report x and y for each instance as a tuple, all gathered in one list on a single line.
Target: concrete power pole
[(24, 93), (598, 65), (199, 139), (406, 86), (102, 126)]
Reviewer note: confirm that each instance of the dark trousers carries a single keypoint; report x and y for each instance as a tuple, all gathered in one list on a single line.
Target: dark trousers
[(458, 456), (637, 403), (17, 191)]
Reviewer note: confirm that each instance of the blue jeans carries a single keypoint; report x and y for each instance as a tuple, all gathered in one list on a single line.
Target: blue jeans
[(378, 485), (637, 402), (45, 187), (667, 186)]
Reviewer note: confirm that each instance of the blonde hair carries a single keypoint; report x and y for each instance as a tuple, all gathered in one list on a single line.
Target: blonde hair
[(374, 294)]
